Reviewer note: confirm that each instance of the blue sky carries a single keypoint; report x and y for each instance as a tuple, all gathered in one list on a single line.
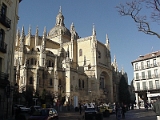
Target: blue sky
[(126, 42)]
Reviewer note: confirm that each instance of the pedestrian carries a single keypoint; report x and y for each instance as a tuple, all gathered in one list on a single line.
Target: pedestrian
[(80, 108), (118, 111), (156, 108), (123, 110)]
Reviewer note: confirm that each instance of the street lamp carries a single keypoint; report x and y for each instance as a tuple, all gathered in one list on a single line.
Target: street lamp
[(90, 93)]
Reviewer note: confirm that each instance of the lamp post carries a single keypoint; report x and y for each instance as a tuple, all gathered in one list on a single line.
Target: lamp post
[(90, 93)]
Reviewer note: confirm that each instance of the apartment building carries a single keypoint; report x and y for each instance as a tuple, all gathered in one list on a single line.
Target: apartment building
[(8, 23), (146, 77)]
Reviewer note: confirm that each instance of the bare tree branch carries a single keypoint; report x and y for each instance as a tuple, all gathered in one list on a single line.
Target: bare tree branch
[(133, 10)]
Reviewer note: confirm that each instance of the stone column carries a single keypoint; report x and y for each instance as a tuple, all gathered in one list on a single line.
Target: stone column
[(137, 101), (149, 99)]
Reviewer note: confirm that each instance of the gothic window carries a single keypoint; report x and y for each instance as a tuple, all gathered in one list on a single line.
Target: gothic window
[(101, 84), (83, 84), (99, 54), (50, 82), (27, 62), (31, 61), (80, 52), (31, 80), (79, 83)]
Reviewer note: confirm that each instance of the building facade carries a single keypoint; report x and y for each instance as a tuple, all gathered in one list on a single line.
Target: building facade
[(146, 77), (8, 24), (65, 64)]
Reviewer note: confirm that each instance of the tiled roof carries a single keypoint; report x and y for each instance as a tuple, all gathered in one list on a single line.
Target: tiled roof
[(147, 56)]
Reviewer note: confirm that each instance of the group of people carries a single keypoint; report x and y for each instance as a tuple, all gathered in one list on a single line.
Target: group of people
[(120, 111)]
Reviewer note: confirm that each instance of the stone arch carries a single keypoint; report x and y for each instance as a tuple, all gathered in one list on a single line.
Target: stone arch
[(50, 63), (105, 86)]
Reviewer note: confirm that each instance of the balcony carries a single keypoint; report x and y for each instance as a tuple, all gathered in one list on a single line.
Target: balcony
[(3, 80), (5, 21), (139, 89), (3, 47)]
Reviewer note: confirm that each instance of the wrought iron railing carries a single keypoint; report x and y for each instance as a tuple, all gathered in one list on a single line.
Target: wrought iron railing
[(3, 47), (5, 20)]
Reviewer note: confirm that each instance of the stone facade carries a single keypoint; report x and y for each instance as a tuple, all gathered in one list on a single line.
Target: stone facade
[(8, 26), (63, 63)]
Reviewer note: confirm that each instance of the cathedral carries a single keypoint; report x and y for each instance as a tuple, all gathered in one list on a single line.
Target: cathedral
[(65, 64)]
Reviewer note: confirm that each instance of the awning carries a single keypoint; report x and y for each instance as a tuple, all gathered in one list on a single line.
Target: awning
[(153, 95)]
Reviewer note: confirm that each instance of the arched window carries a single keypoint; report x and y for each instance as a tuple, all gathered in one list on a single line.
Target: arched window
[(50, 82), (27, 62), (31, 80), (80, 52), (31, 61), (79, 83)]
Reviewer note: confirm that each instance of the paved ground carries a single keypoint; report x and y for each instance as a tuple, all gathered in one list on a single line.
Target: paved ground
[(137, 114)]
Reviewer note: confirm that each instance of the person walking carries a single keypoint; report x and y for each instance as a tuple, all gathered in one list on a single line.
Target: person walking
[(80, 108), (123, 110), (156, 108)]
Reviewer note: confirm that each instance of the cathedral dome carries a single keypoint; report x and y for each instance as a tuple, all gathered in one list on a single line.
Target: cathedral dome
[(59, 26), (56, 31)]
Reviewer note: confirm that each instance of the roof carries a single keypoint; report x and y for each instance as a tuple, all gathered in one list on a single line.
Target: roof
[(147, 56)]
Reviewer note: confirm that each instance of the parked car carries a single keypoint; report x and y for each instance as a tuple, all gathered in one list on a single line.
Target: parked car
[(105, 110), (44, 114), (21, 112), (16, 106), (35, 108), (92, 114)]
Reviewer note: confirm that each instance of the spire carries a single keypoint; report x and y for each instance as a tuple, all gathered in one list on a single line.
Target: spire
[(122, 71), (37, 31), (22, 33), (22, 40), (93, 31), (36, 36), (29, 31), (114, 59), (44, 32), (44, 40), (72, 27), (18, 33), (60, 18), (17, 37), (60, 9), (107, 42)]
